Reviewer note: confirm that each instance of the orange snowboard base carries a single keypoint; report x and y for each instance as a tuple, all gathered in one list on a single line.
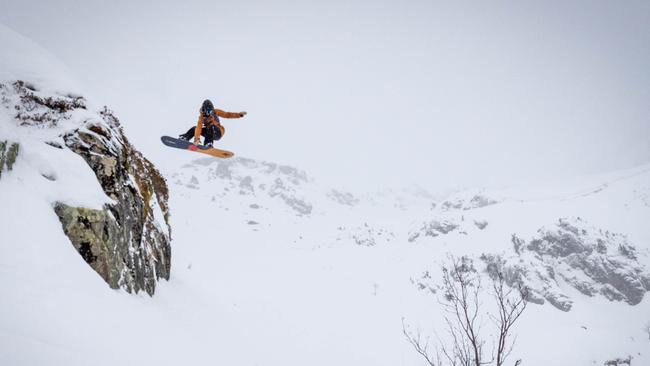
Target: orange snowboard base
[(218, 153)]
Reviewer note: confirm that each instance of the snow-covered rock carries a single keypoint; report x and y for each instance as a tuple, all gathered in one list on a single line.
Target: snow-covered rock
[(466, 201), (126, 240), (434, 228), (236, 176), (591, 260), (8, 153)]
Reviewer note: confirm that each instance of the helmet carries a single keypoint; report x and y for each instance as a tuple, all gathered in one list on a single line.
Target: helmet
[(207, 108)]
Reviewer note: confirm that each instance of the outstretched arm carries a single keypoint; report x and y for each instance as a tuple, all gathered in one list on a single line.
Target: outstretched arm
[(225, 114)]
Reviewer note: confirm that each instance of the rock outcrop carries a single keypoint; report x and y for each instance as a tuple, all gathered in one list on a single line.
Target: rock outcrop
[(138, 251), (460, 203), (31, 107), (251, 178), (619, 361), (369, 236), (127, 242), (8, 153), (433, 229), (343, 198), (588, 259)]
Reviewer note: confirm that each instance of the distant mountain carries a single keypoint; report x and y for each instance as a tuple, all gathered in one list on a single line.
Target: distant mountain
[(596, 261), (572, 244)]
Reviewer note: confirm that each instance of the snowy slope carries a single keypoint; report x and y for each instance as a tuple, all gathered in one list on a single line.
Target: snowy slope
[(269, 267), (380, 249)]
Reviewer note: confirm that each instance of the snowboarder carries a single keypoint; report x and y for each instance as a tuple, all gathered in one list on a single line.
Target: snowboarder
[(209, 125)]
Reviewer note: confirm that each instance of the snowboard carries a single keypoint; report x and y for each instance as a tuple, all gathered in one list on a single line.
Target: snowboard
[(186, 145)]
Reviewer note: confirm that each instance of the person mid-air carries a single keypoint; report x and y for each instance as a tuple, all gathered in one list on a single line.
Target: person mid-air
[(209, 126)]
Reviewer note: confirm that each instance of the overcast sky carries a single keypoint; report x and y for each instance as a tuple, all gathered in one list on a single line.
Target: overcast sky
[(371, 93)]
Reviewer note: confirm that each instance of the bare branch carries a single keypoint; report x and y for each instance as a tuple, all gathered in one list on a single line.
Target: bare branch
[(465, 345), (419, 346)]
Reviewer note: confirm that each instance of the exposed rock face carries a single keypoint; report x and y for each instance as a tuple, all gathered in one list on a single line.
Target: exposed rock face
[(34, 108), (619, 361), (139, 249), (93, 234), (287, 194), (128, 241), (425, 283), (588, 259), (102, 243), (433, 228), (8, 153), (252, 178), (481, 224), (369, 236), (477, 201), (344, 198)]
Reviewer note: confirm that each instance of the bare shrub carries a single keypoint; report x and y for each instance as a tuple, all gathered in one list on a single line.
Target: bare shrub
[(465, 341)]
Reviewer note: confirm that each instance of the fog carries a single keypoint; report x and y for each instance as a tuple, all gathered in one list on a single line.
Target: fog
[(371, 93)]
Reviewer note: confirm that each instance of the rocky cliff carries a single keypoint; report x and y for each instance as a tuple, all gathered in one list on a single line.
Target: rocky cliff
[(572, 252), (127, 241)]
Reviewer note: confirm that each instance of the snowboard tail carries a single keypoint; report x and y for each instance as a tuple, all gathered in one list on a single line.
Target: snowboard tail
[(186, 145)]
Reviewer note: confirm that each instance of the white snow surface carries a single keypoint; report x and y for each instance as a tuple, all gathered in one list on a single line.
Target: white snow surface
[(259, 279), (23, 59)]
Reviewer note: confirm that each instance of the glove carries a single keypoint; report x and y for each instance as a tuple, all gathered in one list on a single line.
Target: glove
[(197, 141), (242, 114)]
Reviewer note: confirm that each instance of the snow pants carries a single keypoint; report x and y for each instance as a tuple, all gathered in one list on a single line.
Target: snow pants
[(209, 133)]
